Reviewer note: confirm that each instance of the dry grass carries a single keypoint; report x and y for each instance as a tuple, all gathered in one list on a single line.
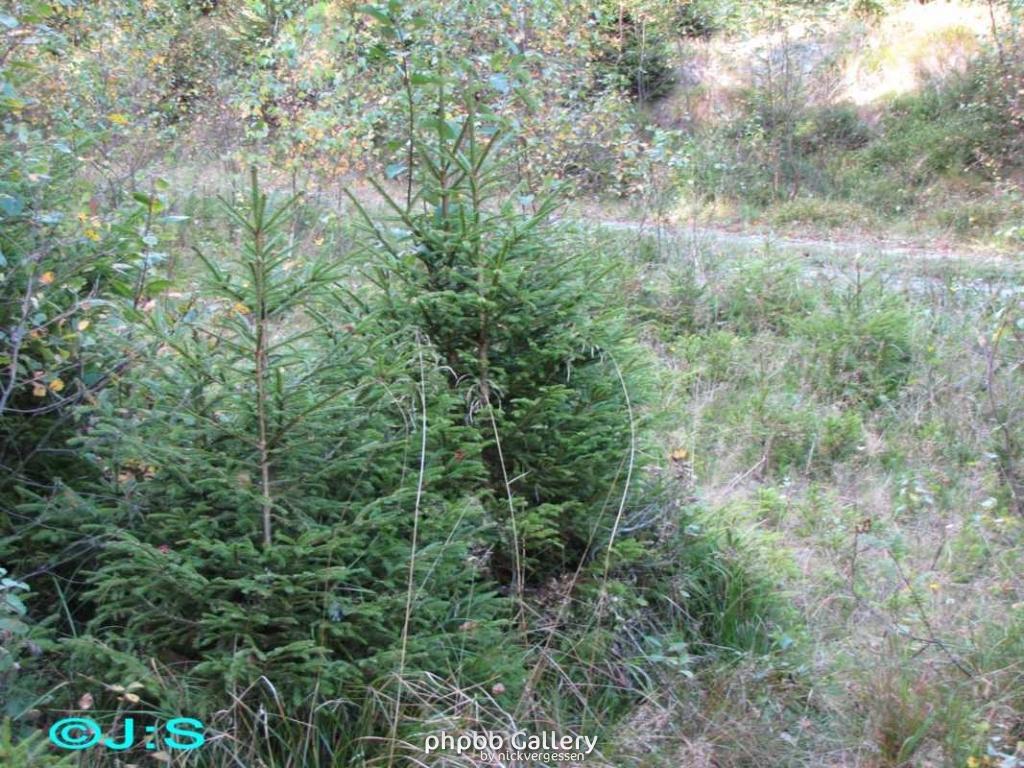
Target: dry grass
[(905, 570)]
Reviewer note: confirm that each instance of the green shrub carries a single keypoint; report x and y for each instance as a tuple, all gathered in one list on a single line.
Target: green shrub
[(66, 268), (32, 751), (677, 304), (57, 273), (869, 8), (955, 126), (862, 352), (702, 18), (730, 598), (764, 295), (635, 53), (796, 437), (778, 146), (19, 647), (977, 219), (831, 128), (818, 212), (714, 357)]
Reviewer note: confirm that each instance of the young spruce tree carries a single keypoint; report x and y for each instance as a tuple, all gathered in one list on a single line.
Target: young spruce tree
[(271, 475), (535, 348)]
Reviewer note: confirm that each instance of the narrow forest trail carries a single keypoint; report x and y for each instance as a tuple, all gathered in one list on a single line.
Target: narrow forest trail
[(843, 245), (897, 252)]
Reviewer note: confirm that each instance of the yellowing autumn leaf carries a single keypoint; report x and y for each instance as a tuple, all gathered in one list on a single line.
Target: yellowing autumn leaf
[(56, 385), (47, 277), (117, 118), (240, 308), (39, 390), (83, 325), (679, 454)]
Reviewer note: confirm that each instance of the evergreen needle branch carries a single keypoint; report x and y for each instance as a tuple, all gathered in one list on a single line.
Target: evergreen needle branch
[(302, 415), (379, 236)]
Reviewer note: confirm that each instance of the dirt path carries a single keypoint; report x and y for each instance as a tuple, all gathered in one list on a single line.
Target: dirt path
[(849, 244), (865, 246)]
